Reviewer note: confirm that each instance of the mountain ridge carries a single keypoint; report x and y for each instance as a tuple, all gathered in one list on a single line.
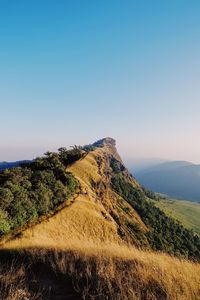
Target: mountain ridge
[(105, 242), (92, 171), (110, 206), (178, 179), (8, 165)]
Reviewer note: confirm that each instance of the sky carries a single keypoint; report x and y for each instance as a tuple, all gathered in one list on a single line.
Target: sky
[(72, 72)]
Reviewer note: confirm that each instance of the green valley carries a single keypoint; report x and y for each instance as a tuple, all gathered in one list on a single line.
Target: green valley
[(185, 212)]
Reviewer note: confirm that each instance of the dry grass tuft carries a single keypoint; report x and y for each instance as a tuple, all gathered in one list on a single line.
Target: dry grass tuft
[(13, 283)]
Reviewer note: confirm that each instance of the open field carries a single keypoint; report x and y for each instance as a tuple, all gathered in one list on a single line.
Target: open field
[(188, 213)]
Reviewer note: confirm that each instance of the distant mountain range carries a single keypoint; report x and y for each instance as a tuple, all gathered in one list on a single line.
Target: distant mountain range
[(8, 165), (179, 179)]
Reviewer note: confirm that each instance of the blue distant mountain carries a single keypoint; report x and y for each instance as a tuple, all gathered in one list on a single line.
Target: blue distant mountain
[(179, 179), (8, 165)]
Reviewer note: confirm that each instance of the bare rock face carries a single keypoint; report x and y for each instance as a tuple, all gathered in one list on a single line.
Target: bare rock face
[(110, 144), (108, 141)]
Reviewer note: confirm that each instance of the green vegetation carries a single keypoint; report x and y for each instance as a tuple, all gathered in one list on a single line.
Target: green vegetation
[(116, 165), (152, 195), (165, 233), (186, 212), (34, 189), (135, 229), (88, 148)]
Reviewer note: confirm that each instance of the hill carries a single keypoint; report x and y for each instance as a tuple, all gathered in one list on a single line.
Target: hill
[(178, 179), (99, 241)]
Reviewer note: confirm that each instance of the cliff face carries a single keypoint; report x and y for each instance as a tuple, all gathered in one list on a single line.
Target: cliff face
[(96, 214), (108, 146)]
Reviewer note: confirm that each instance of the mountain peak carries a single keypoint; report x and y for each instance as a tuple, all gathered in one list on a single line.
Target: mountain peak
[(110, 147), (108, 141)]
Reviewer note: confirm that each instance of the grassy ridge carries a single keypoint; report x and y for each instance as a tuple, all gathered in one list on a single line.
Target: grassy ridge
[(78, 254), (188, 213)]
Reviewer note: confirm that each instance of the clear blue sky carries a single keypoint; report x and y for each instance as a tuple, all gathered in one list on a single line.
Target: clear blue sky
[(75, 71)]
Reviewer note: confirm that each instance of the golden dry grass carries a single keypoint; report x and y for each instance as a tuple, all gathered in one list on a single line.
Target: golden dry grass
[(82, 243), (133, 274), (87, 218), (118, 272)]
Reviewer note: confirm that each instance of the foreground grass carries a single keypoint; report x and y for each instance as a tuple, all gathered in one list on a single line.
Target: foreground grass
[(97, 272), (186, 212)]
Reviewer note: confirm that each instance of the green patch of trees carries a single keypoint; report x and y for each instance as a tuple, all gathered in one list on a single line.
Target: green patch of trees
[(88, 148), (34, 189), (116, 165), (165, 234)]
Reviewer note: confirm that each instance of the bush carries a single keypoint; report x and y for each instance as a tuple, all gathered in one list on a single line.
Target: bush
[(4, 222)]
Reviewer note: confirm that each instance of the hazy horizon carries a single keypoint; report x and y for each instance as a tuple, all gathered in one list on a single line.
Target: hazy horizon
[(138, 161), (74, 72)]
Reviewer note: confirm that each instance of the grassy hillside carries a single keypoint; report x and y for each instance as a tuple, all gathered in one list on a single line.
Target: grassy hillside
[(100, 272), (96, 214), (100, 245), (188, 213)]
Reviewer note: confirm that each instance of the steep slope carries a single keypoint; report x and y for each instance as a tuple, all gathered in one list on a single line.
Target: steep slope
[(91, 248), (111, 207), (94, 215)]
